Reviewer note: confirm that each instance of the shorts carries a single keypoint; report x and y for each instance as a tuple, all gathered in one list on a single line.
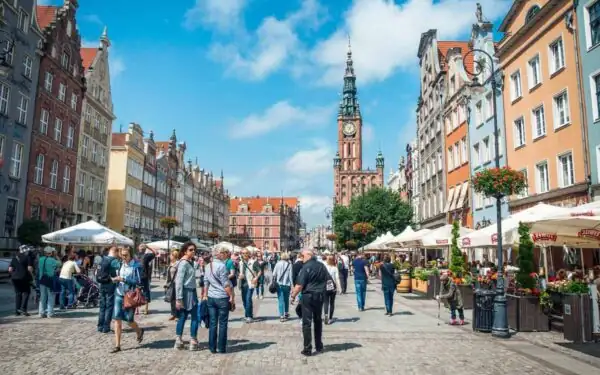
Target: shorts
[(119, 313)]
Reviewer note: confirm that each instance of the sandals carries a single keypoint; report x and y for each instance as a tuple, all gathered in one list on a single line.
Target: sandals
[(115, 350), (140, 336)]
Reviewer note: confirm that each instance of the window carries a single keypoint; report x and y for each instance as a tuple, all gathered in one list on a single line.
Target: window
[(519, 132), (16, 160), (74, 100), (489, 106), (595, 88), (9, 50), (58, 130), (69, 28), (70, 136), (535, 72), (593, 13), (103, 158), (94, 152), (66, 179), (450, 159), (561, 110), (23, 21), (267, 232), (54, 174), (538, 122), (515, 86), (39, 170), (463, 150), (456, 155), (48, 78), (4, 97), (27, 66), (91, 192), (500, 145), (82, 185), (88, 113), (85, 144), (62, 92), (526, 190), (478, 113), (543, 179), (565, 170), (44, 121), (486, 150), (64, 60), (22, 110), (1, 145), (557, 56), (531, 13)]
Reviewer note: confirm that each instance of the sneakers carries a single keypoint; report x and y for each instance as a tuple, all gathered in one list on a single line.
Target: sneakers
[(193, 346), (461, 322), (453, 322), (249, 320), (326, 320), (178, 343)]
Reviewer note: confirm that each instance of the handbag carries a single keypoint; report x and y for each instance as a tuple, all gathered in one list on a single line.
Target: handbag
[(46, 280), (170, 288), (275, 283), (134, 298), (231, 305), (397, 277)]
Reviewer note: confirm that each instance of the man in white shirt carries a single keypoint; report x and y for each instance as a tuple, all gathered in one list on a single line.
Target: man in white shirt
[(344, 267)]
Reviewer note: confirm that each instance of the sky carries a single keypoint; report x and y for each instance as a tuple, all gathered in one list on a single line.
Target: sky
[(252, 86)]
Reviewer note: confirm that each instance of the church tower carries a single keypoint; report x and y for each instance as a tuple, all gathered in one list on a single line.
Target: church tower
[(349, 177)]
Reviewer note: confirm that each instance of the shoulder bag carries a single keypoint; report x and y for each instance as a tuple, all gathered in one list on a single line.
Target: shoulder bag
[(275, 283), (231, 304), (134, 298), (330, 286), (46, 280), (397, 277), (170, 287)]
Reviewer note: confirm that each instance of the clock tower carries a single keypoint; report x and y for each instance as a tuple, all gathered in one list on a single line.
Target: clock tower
[(349, 177)]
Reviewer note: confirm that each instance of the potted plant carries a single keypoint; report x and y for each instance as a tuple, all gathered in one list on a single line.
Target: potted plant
[(406, 271), (351, 244), (499, 182), (331, 236), (169, 222), (577, 317)]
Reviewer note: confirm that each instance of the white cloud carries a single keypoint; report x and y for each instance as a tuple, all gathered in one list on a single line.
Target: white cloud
[(231, 181), (279, 115), (224, 15), (368, 133), (273, 43), (310, 162), (379, 51), (315, 203)]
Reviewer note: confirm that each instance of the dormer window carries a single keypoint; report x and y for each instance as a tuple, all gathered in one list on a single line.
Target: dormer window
[(531, 13)]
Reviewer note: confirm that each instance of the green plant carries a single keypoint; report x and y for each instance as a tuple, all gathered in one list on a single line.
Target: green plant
[(499, 182), (457, 260), (351, 244), (546, 300), (30, 232), (526, 271), (576, 287)]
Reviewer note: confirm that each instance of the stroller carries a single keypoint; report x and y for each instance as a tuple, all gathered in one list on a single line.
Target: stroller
[(88, 293)]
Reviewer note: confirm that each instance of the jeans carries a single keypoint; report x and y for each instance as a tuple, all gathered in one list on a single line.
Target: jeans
[(247, 293), (146, 289), (22, 292), (107, 305), (260, 286), (388, 298), (360, 287), (283, 299), (183, 315), (454, 309), (312, 307), (218, 315), (67, 292), (344, 279), (46, 306), (329, 304)]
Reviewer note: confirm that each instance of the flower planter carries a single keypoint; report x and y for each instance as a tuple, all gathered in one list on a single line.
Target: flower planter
[(467, 295), (577, 317), (524, 314), (404, 286), (419, 286)]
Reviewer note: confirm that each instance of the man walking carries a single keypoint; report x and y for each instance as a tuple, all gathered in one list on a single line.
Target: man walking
[(361, 275), (107, 270), (344, 266), (311, 282), (249, 274)]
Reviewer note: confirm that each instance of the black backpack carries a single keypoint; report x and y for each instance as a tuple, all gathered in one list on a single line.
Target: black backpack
[(103, 272)]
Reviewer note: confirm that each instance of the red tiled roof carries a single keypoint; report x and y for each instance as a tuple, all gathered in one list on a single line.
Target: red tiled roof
[(445, 46), (162, 146), (119, 139), (218, 183), (256, 204), (87, 56), (45, 15)]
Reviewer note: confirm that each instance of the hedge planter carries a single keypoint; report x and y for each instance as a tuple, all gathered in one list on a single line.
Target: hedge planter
[(419, 286), (467, 295), (525, 314), (577, 317)]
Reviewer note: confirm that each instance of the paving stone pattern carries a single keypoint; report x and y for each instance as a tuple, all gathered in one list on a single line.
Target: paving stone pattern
[(410, 342)]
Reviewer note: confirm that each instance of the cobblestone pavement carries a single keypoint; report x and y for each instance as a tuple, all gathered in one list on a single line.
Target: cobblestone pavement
[(410, 342)]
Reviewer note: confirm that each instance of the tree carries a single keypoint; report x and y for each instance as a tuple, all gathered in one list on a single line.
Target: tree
[(30, 232), (524, 278), (382, 208), (457, 260)]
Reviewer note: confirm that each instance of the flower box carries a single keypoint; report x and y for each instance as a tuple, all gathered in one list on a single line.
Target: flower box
[(419, 286), (577, 317), (467, 295), (525, 314)]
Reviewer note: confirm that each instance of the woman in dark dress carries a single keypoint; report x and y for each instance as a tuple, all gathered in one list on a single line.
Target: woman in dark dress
[(21, 275), (388, 283)]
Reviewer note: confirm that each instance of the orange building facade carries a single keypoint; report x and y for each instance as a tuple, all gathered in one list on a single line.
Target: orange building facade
[(544, 136), (458, 171)]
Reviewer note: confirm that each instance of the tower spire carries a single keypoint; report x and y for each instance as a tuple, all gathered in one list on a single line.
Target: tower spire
[(349, 104)]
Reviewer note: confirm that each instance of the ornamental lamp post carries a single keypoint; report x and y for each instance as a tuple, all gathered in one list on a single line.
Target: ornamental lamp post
[(329, 216), (500, 326)]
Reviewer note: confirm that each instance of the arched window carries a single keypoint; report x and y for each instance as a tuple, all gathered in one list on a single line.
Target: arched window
[(531, 13)]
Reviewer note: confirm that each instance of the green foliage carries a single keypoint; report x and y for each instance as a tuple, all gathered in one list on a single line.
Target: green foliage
[(524, 277), (457, 260), (30, 232), (382, 208)]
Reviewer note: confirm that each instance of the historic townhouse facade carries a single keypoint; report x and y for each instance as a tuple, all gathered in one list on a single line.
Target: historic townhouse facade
[(95, 133), (125, 181), (148, 209), (349, 178), (397, 179), (21, 43), (160, 193), (412, 180), (430, 136), (481, 122), (588, 33), (544, 132), (458, 173), (52, 174)]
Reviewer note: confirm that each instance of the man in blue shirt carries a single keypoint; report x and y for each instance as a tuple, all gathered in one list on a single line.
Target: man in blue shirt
[(361, 276), (107, 270)]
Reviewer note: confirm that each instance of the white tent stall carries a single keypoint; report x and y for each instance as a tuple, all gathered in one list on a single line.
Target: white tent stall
[(89, 233)]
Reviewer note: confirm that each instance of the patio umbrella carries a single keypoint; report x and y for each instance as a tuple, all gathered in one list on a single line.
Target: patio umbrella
[(89, 233)]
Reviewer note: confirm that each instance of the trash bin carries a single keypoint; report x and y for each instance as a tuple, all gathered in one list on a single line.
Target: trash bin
[(483, 310)]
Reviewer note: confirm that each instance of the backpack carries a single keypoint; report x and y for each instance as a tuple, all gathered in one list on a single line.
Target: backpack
[(103, 271)]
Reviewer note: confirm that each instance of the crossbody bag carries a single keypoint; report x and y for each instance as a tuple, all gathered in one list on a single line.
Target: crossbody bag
[(231, 305), (275, 282)]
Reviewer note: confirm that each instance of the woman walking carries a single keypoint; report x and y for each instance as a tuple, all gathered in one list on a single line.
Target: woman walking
[(329, 305), (128, 278), (171, 272), (282, 274), (186, 296), (388, 283)]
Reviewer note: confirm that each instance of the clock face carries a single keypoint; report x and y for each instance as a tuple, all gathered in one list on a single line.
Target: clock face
[(349, 128)]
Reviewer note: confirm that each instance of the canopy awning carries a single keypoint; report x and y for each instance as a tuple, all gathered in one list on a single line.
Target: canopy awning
[(89, 233)]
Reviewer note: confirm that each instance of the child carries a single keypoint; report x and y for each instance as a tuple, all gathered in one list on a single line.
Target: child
[(452, 298)]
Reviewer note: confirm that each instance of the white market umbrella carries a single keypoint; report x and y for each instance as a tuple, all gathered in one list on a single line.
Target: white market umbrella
[(379, 243), (89, 233), (397, 240), (164, 245), (440, 237), (410, 239), (230, 246), (575, 231)]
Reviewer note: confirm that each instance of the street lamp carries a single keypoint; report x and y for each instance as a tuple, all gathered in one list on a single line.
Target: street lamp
[(500, 326), (329, 216)]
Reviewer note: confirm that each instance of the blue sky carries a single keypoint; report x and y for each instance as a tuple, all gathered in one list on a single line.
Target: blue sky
[(252, 86)]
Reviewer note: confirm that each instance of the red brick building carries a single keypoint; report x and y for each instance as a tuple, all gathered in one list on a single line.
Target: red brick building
[(272, 224), (53, 157)]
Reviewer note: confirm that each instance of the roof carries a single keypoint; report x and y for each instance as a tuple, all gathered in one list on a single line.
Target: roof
[(162, 146), (510, 15), (45, 15), (256, 204), (119, 139), (445, 46), (87, 56)]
